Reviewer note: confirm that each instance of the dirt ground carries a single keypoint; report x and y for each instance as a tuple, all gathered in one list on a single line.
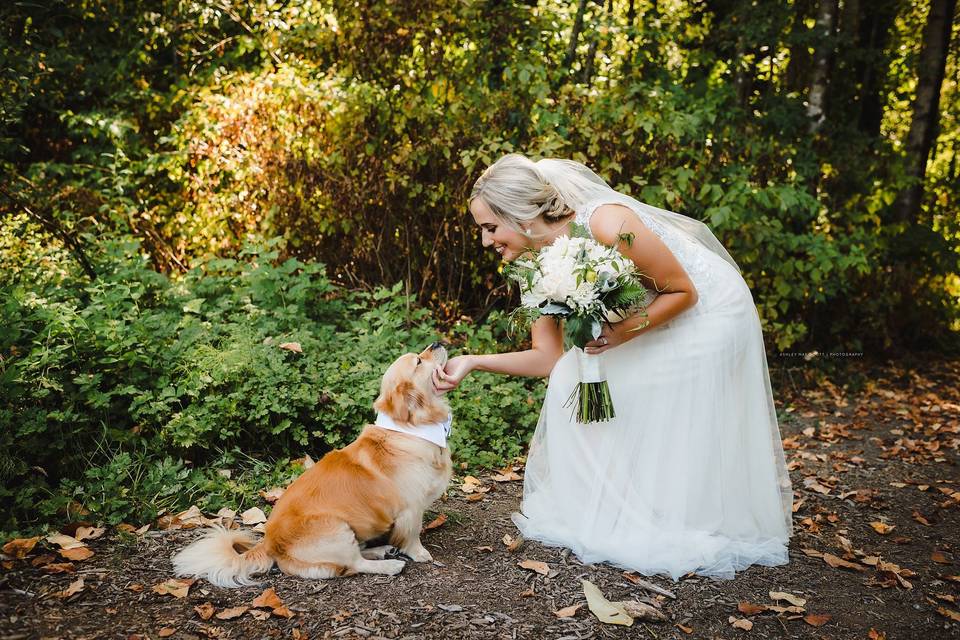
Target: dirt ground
[(874, 552)]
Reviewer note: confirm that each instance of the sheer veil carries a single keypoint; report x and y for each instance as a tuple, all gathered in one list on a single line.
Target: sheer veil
[(579, 186)]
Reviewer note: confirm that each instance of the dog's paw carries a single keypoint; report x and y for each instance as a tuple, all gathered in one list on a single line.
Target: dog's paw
[(418, 555), (392, 567)]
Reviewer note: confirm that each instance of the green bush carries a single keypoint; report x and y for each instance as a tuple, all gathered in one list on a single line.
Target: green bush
[(107, 387)]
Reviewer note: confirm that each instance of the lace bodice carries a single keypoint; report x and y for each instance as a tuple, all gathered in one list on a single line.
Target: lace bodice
[(699, 262)]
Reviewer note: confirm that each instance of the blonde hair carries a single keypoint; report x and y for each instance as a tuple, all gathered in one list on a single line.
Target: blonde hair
[(517, 191)]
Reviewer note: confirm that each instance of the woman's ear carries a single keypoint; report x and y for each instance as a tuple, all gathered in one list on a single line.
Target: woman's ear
[(394, 402)]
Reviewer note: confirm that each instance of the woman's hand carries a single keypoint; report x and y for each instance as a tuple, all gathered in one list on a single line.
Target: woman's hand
[(448, 377), (611, 335)]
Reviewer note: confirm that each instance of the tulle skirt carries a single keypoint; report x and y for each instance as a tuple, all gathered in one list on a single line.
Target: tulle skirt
[(690, 474)]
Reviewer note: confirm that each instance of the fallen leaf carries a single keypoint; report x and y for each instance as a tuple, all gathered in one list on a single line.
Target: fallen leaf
[(512, 543), (740, 623), (166, 632), (174, 587), (20, 547), (232, 612), (292, 346), (949, 613), (436, 522), (76, 554), (813, 553), (791, 609), (750, 609), (306, 462), (817, 619), (568, 612), (484, 548), (64, 541), (789, 597), (535, 565), (268, 599), (259, 614), (836, 562), (509, 476), (271, 495), (605, 610), (110, 610), (940, 557), (814, 484), (205, 610), (253, 515), (882, 527), (686, 630), (472, 484), (283, 612), (75, 587), (529, 593), (89, 533), (475, 497), (299, 635), (59, 567), (226, 513), (136, 588), (46, 558), (873, 634)]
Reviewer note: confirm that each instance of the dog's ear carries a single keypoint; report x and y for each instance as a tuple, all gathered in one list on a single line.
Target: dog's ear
[(394, 402)]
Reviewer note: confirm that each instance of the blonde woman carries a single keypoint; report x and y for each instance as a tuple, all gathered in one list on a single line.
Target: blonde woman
[(690, 474)]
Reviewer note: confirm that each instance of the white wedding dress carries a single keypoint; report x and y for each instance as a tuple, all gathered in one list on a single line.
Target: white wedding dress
[(690, 474)]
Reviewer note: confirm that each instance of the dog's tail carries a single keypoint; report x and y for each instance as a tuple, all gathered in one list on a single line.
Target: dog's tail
[(225, 558)]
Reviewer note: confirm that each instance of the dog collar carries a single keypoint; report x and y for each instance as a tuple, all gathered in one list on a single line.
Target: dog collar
[(435, 432)]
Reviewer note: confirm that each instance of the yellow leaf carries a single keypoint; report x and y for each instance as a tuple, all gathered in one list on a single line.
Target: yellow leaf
[(605, 610), (882, 527)]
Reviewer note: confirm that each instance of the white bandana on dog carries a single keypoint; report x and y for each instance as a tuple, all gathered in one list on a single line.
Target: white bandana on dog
[(436, 432)]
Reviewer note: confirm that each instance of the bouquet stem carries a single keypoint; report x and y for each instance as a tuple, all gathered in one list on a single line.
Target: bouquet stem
[(590, 399)]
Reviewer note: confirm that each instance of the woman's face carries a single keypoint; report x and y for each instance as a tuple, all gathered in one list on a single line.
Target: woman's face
[(496, 233)]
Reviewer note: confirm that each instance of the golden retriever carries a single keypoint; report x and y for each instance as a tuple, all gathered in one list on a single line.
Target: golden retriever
[(378, 485)]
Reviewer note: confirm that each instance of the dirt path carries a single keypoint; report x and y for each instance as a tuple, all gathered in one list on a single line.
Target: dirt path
[(873, 465)]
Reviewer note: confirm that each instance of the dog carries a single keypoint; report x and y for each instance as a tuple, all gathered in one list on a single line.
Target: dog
[(377, 487)]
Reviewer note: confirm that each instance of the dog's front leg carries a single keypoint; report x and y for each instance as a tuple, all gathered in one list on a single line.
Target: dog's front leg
[(406, 536)]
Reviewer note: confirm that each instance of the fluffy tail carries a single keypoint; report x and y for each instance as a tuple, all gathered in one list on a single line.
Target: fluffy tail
[(225, 558)]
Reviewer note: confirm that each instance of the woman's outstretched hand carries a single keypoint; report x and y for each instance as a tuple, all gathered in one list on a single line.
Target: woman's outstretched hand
[(450, 376)]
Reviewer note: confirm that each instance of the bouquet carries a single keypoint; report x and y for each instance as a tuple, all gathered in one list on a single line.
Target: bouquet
[(584, 283)]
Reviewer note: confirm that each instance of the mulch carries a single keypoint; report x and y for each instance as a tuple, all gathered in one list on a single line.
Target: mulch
[(874, 466)]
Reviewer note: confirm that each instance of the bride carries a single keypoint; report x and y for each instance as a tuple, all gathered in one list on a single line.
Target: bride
[(690, 474)]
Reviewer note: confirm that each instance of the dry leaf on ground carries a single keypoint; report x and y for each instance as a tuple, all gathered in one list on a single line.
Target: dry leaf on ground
[(76, 554), (606, 611), (166, 632), (750, 609), (641, 611), (796, 601), (271, 495), (174, 587), (817, 619), (20, 547), (836, 562), (292, 346), (89, 533), (253, 515), (882, 527), (568, 612), (740, 623), (75, 587), (268, 599), (512, 543), (205, 610), (64, 541), (232, 612), (436, 522), (535, 565)]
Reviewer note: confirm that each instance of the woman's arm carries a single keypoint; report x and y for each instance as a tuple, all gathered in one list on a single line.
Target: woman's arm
[(546, 349), (659, 269)]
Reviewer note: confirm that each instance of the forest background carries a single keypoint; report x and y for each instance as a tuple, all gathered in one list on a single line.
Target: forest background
[(221, 220)]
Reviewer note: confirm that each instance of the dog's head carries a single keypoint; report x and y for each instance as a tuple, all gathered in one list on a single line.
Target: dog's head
[(407, 393)]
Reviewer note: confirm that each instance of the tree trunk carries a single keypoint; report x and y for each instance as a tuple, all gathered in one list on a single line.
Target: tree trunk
[(571, 55), (817, 97), (875, 22), (926, 114), (798, 68)]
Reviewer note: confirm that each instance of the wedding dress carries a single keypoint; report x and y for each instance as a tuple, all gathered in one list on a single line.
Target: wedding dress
[(690, 474)]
